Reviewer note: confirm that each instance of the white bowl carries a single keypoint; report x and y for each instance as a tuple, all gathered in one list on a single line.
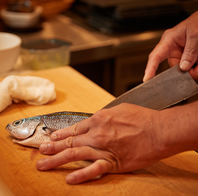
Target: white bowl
[(21, 20), (9, 50)]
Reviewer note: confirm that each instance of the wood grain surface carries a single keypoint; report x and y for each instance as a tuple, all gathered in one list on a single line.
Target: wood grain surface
[(177, 175)]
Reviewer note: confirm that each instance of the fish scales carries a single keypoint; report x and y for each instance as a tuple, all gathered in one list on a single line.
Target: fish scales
[(61, 120), (35, 130)]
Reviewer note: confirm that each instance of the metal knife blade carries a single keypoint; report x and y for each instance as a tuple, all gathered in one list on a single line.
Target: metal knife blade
[(165, 89)]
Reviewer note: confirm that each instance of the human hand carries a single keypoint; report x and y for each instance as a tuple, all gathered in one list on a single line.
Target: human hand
[(180, 45), (120, 139)]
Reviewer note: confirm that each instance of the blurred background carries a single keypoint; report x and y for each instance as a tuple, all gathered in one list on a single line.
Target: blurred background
[(110, 39)]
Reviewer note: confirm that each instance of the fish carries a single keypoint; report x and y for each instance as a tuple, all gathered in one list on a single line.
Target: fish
[(35, 130)]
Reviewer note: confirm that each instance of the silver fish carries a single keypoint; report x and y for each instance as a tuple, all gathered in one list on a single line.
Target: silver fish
[(35, 130)]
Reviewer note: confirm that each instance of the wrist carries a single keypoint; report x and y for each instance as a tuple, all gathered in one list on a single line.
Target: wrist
[(179, 129)]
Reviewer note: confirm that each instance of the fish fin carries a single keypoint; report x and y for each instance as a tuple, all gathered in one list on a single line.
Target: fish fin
[(26, 143), (48, 131)]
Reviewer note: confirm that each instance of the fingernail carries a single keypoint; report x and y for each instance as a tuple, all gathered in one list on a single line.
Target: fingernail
[(98, 176), (145, 78), (54, 136), (185, 65), (70, 179), (43, 147)]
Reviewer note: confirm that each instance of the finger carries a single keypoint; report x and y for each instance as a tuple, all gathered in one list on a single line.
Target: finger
[(90, 172), (55, 147), (190, 54), (70, 131), (159, 54), (66, 156)]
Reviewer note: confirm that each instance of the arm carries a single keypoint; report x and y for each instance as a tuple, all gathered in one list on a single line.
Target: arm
[(122, 139), (180, 45)]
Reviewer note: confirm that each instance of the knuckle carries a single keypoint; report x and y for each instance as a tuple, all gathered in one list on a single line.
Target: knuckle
[(74, 130), (70, 154), (190, 52), (154, 56), (69, 142), (100, 168), (169, 36), (51, 147), (167, 33), (97, 117), (190, 55), (101, 116)]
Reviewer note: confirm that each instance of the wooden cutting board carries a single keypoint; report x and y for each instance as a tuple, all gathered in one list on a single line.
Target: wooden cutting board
[(177, 175)]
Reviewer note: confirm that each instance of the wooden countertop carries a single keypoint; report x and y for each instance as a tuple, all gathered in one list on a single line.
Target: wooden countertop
[(177, 175)]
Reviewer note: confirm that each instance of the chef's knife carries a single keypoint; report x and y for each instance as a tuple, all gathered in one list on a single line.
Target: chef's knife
[(165, 89)]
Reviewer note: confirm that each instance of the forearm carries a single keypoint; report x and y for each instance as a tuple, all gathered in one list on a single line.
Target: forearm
[(179, 127)]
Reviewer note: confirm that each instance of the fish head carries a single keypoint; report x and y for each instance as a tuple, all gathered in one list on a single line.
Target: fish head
[(40, 135), (29, 131), (23, 128)]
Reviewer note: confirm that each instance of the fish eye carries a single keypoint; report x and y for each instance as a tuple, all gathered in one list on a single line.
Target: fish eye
[(17, 122)]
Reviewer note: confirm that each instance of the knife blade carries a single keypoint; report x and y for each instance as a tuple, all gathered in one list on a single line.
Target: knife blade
[(165, 89)]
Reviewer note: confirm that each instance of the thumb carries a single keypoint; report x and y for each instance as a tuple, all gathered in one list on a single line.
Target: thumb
[(190, 54)]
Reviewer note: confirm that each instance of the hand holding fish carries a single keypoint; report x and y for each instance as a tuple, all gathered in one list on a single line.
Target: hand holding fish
[(121, 139), (105, 138), (180, 45)]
